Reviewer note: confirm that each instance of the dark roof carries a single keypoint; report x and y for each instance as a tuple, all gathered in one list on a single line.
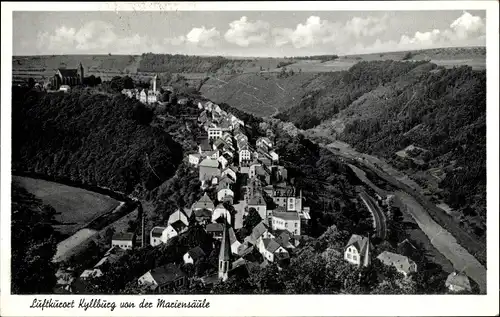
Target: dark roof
[(258, 230), (287, 215), (271, 245), (214, 227), (178, 225), (157, 231), (196, 253), (123, 236), (166, 274), (202, 213), (205, 145), (68, 72)]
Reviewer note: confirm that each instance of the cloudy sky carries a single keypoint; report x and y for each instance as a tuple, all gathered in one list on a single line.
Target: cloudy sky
[(249, 33)]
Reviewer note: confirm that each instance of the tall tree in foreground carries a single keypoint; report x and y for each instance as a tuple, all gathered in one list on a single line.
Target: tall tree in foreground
[(33, 244)]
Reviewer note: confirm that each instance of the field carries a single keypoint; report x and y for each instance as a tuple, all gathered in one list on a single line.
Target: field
[(75, 207)]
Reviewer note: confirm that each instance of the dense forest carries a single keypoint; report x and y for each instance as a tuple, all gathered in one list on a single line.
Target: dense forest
[(91, 138), (33, 244), (385, 106)]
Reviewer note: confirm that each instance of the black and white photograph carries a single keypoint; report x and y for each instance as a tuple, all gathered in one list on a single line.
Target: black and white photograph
[(248, 152)]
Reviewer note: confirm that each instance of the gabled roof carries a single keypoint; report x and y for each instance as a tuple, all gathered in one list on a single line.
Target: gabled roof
[(166, 274), (232, 168), (68, 72), (271, 245), (208, 162), (359, 242), (204, 202), (157, 231), (178, 215), (196, 253), (400, 262), (258, 231), (224, 182), (214, 227), (232, 236), (178, 226), (287, 215), (123, 236), (458, 279)]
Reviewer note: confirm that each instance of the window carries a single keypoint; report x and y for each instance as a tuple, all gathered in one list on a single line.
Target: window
[(286, 225), (296, 225), (349, 256), (355, 258)]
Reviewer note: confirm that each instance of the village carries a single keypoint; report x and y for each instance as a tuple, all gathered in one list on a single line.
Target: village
[(248, 181)]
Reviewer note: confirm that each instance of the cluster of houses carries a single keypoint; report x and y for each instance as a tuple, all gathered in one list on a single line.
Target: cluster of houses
[(246, 176), (146, 96)]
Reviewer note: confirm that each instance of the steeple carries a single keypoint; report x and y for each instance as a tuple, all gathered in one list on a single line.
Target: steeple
[(225, 253), (81, 73), (366, 256)]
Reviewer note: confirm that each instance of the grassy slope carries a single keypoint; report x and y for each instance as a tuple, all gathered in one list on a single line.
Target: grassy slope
[(74, 206)]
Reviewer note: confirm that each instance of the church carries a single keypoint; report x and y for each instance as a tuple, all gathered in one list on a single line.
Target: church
[(70, 77)]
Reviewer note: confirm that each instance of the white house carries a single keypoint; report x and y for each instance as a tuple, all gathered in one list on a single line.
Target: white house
[(156, 235), (289, 221), (204, 203), (264, 142), (229, 171), (143, 97), (172, 230), (274, 156), (123, 240), (253, 166), (272, 250), (64, 88), (458, 282), (245, 154), (194, 159), (178, 215), (91, 273), (223, 160), (357, 250), (163, 278), (225, 194), (227, 137), (403, 264), (194, 255), (214, 131)]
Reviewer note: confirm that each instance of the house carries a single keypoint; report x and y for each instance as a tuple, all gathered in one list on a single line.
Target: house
[(274, 157), (209, 168), (194, 159), (231, 171), (285, 196), (203, 216), (173, 230), (458, 282), (264, 142), (258, 202), (403, 264), (123, 240), (215, 230), (221, 144), (272, 250), (204, 203), (214, 155), (163, 278), (111, 256), (357, 250), (155, 237), (143, 97), (285, 238), (406, 248), (280, 174), (228, 138), (214, 131), (178, 216), (263, 173), (260, 231), (288, 220), (152, 96), (91, 273), (224, 160), (240, 139), (252, 169), (244, 154), (194, 255), (225, 194), (221, 211)]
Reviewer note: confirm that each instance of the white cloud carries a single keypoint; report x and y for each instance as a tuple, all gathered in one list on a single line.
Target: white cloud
[(203, 37), (244, 33), (316, 31), (467, 30)]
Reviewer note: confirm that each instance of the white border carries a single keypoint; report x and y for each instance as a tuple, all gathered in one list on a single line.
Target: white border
[(278, 305)]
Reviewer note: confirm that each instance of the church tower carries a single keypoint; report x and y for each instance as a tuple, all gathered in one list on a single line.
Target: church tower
[(155, 79), (224, 254), (81, 73)]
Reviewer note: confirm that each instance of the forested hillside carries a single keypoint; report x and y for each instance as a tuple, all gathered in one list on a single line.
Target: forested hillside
[(33, 244), (380, 108), (91, 138)]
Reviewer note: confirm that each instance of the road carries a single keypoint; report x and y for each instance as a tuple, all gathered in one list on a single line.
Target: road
[(377, 214), (420, 209)]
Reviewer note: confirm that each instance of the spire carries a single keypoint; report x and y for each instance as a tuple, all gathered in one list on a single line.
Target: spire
[(366, 256), (225, 253)]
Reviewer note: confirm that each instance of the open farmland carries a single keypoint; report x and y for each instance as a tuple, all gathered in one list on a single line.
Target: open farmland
[(74, 207)]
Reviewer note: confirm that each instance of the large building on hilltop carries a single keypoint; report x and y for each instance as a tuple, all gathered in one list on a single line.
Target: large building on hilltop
[(69, 77)]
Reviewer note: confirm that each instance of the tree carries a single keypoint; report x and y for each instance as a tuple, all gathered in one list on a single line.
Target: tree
[(33, 244), (31, 83), (252, 219)]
